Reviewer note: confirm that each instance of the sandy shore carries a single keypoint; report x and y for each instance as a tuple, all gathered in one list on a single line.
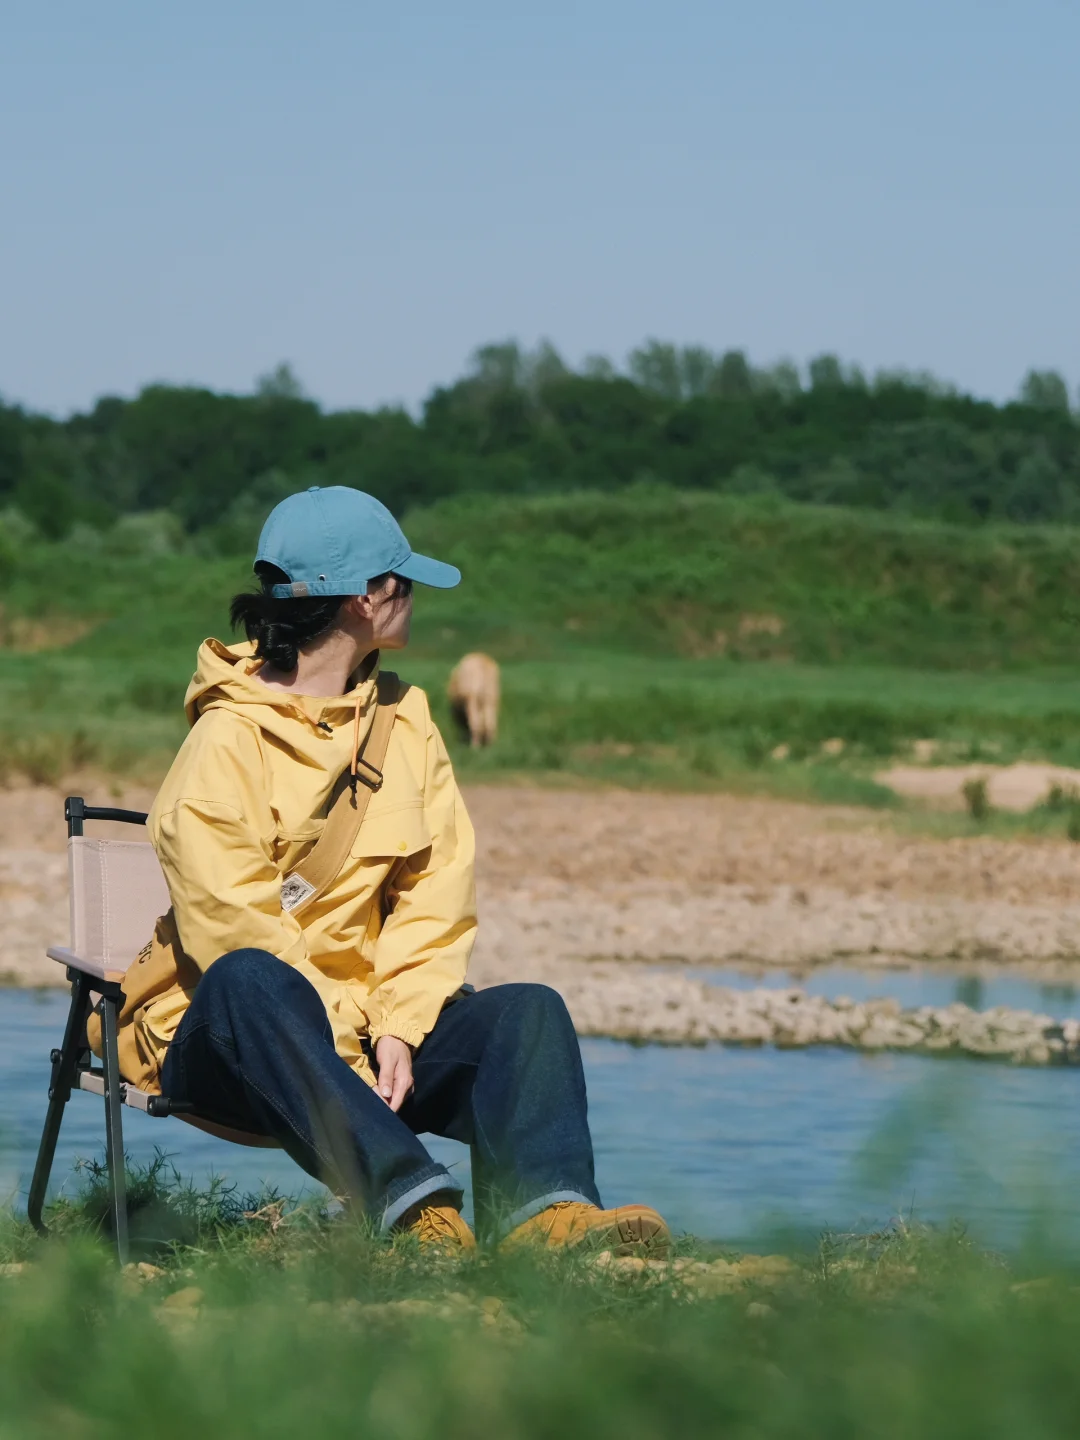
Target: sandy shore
[(716, 880), (567, 877)]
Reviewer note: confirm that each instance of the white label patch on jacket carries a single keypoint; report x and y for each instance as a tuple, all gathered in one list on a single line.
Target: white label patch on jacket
[(294, 891)]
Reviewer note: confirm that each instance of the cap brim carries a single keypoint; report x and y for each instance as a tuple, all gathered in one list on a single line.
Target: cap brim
[(426, 571)]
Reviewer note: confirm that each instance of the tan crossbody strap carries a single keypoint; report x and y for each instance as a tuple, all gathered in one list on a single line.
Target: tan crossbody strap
[(323, 863)]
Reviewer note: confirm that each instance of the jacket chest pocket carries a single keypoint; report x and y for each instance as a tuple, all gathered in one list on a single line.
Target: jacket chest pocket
[(289, 847), (398, 832)]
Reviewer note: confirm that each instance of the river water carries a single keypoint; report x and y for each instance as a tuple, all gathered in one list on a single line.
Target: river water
[(914, 986), (735, 1144)]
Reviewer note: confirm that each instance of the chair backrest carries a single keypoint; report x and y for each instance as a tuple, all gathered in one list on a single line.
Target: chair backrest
[(117, 893)]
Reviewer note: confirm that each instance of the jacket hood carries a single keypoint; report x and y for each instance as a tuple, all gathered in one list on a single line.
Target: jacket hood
[(226, 678)]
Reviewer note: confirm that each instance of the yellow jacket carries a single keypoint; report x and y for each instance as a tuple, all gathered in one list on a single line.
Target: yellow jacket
[(245, 800)]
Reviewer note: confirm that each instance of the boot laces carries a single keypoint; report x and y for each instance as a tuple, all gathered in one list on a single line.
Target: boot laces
[(434, 1223), (553, 1212)]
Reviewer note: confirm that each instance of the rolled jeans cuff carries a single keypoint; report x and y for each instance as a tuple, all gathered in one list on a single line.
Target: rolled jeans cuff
[(553, 1197), (439, 1182)]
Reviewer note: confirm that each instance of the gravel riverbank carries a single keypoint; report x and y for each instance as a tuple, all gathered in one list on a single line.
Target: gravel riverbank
[(676, 1009), (574, 885)]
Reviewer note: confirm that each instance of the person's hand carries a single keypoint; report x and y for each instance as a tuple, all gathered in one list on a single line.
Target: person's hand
[(394, 1059)]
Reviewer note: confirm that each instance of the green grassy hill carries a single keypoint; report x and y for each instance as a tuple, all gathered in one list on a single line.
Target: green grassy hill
[(651, 636), (662, 572)]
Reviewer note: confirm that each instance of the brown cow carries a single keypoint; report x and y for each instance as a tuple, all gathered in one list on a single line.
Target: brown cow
[(473, 692)]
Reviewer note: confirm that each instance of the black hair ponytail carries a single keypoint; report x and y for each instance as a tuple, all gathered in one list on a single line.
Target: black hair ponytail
[(281, 628)]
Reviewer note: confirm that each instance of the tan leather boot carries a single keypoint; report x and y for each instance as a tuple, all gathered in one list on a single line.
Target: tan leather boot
[(626, 1229), (439, 1228)]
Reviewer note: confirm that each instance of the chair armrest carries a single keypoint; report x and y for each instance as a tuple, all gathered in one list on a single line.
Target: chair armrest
[(93, 968)]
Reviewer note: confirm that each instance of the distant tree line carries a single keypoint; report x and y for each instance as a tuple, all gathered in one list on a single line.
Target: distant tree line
[(522, 421)]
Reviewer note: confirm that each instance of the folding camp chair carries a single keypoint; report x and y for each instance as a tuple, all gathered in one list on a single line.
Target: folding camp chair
[(117, 893)]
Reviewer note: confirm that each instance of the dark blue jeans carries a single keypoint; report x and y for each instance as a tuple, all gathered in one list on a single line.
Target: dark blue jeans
[(500, 1071)]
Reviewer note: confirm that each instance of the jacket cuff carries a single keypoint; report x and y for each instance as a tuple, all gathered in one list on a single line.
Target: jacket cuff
[(406, 1030)]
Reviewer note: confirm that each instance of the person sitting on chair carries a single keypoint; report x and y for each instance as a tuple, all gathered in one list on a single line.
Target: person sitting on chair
[(308, 983)]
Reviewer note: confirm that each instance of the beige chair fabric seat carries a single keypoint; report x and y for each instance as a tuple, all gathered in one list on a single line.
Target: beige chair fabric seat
[(117, 893)]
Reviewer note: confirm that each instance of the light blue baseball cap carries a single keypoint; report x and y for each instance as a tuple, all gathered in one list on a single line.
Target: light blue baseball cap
[(332, 541)]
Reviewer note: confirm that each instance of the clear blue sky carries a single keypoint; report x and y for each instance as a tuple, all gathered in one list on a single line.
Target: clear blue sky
[(195, 191)]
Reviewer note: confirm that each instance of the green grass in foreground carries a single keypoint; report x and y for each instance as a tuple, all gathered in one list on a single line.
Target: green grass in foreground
[(648, 638), (285, 1322)]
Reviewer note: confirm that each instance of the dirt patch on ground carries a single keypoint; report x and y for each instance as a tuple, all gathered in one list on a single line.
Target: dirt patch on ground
[(567, 876), (1008, 787), (29, 634), (698, 843), (719, 879)]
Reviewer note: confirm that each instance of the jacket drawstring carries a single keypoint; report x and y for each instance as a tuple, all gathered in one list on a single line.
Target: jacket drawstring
[(355, 763)]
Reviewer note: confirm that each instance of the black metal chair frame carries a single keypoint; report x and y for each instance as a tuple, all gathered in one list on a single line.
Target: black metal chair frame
[(73, 1063)]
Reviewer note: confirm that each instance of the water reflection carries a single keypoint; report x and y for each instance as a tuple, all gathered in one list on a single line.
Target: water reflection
[(1059, 995), (919, 985), (971, 991)]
